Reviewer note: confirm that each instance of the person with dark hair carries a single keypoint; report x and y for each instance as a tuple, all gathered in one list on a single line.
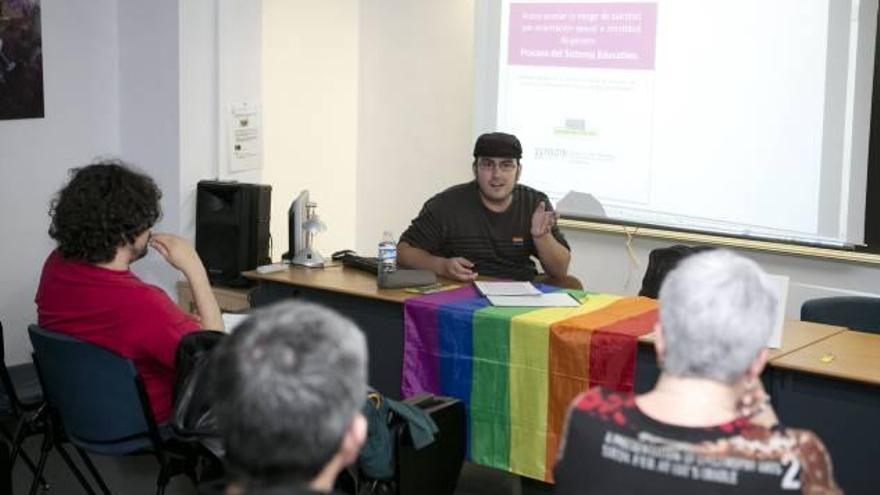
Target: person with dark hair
[(288, 385), (102, 222), (707, 426), (489, 226)]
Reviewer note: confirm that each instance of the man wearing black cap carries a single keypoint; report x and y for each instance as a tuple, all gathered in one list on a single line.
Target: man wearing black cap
[(489, 226)]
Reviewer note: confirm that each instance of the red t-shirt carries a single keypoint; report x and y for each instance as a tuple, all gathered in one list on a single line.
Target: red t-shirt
[(119, 312)]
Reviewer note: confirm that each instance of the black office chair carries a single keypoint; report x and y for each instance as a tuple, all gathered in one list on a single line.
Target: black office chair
[(661, 261), (103, 408), (857, 313), (20, 402)]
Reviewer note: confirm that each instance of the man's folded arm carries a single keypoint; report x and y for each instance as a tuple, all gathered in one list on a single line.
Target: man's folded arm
[(458, 268)]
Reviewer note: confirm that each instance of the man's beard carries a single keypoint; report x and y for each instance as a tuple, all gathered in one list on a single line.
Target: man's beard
[(139, 253)]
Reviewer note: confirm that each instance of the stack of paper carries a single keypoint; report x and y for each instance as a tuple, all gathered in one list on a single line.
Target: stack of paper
[(523, 294)]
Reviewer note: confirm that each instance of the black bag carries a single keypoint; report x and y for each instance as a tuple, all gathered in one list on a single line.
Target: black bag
[(660, 262), (193, 419)]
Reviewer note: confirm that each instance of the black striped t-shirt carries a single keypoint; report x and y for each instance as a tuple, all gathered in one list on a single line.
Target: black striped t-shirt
[(456, 223)]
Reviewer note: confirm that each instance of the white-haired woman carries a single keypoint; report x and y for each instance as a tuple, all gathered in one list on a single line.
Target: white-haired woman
[(705, 427)]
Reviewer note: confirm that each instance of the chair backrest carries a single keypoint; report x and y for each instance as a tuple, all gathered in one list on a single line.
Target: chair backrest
[(857, 313), (98, 394), (661, 261)]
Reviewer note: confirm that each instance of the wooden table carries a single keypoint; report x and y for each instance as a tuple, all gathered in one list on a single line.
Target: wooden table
[(336, 278), (832, 387), (839, 400), (846, 355), (354, 293), (796, 335)]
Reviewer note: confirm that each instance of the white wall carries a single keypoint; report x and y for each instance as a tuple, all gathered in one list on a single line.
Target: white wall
[(310, 93), (415, 118), (81, 84), (238, 77), (149, 112), (368, 105), (114, 74), (220, 56), (199, 98)]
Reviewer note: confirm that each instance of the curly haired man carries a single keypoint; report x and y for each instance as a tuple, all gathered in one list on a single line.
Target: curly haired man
[(102, 222)]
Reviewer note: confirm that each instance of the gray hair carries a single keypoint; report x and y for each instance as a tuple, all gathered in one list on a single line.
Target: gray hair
[(287, 384), (717, 311)]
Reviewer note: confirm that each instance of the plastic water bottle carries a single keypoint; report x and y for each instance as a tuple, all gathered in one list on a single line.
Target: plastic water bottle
[(387, 253)]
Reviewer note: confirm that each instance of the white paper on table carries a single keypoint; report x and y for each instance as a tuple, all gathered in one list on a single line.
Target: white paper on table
[(506, 288), (551, 300), (779, 285), (232, 320)]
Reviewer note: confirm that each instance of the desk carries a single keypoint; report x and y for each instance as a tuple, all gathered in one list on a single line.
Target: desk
[(816, 399), (839, 400), (353, 293), (339, 279), (518, 369), (855, 356), (378, 312), (795, 335)]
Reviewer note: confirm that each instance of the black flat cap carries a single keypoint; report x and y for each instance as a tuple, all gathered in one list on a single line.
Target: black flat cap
[(499, 145)]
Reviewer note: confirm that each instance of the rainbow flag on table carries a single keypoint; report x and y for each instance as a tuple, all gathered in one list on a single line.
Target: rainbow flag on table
[(518, 369)]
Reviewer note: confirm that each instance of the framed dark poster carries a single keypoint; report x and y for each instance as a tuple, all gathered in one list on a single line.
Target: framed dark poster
[(21, 60)]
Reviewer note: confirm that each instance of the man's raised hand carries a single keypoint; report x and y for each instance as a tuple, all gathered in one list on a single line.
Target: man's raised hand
[(543, 220), (177, 251)]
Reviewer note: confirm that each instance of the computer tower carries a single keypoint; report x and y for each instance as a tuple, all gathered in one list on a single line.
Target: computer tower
[(232, 229)]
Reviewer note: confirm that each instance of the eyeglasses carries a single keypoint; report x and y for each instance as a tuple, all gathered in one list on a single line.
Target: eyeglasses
[(488, 164)]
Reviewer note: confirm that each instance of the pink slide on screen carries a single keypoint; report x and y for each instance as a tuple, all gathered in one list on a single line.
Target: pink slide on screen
[(597, 35)]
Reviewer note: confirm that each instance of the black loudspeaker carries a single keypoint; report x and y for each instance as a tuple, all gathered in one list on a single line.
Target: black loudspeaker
[(232, 229)]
